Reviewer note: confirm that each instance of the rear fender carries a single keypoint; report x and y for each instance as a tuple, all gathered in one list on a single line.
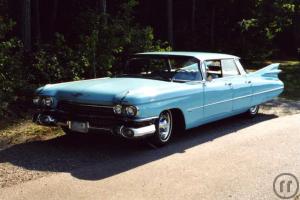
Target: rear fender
[(271, 71), (266, 84)]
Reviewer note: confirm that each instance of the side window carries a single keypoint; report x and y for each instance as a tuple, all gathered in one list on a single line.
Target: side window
[(229, 68), (185, 69), (213, 69)]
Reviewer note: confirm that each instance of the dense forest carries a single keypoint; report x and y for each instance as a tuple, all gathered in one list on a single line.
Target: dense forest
[(52, 41)]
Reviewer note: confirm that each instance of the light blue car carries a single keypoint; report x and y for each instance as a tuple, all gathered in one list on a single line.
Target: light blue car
[(157, 94)]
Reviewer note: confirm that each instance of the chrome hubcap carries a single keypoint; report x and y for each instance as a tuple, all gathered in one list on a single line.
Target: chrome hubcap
[(165, 126), (253, 109)]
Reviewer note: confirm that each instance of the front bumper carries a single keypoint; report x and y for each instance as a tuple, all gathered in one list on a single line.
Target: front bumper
[(124, 127)]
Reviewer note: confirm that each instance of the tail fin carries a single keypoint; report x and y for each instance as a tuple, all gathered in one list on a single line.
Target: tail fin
[(271, 71)]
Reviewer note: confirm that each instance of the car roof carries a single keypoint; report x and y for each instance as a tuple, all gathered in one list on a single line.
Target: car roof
[(198, 55)]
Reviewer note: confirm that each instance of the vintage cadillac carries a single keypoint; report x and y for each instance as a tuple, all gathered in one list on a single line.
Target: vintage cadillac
[(157, 94)]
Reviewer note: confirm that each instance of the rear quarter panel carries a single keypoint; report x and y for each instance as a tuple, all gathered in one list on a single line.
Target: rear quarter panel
[(265, 89), (265, 84)]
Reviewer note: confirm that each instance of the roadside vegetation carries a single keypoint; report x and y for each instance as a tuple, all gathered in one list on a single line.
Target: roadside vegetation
[(23, 130)]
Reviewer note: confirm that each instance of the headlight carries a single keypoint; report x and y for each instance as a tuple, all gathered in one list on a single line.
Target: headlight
[(131, 111), (36, 101), (118, 109), (43, 101), (47, 101)]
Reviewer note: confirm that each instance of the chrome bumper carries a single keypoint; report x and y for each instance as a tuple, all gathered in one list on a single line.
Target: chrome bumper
[(123, 130), (128, 132)]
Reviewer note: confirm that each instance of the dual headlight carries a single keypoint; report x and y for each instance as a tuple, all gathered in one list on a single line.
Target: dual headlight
[(129, 111), (43, 101)]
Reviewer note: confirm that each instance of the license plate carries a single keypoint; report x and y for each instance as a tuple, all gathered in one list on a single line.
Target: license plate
[(81, 127)]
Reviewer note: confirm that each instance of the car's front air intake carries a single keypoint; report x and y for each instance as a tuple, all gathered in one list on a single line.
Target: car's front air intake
[(75, 108)]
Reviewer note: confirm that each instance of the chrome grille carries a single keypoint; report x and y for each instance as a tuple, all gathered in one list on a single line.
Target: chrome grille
[(75, 109)]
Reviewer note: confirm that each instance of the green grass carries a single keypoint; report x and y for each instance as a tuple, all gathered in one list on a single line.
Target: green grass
[(23, 130)]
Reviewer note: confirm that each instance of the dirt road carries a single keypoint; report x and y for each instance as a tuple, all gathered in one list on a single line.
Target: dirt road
[(230, 159)]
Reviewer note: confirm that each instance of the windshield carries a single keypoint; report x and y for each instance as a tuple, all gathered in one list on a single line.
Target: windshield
[(170, 68)]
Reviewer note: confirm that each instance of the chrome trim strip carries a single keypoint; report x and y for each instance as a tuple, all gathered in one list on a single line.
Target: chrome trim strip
[(103, 129), (211, 104), (249, 95), (145, 119), (97, 106), (268, 90), (195, 108), (88, 105), (61, 124)]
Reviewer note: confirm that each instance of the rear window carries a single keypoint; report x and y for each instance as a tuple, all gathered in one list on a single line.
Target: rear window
[(229, 68)]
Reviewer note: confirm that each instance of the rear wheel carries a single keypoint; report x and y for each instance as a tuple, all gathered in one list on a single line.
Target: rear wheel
[(164, 128), (252, 112)]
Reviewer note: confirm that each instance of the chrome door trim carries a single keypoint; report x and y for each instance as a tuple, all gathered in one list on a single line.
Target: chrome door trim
[(254, 94)]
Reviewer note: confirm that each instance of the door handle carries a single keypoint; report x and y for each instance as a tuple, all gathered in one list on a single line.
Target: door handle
[(229, 84), (248, 82)]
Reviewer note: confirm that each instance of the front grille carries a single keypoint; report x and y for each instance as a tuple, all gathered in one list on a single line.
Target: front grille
[(96, 115), (79, 109)]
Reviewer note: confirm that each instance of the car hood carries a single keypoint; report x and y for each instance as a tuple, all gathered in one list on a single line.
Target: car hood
[(107, 91)]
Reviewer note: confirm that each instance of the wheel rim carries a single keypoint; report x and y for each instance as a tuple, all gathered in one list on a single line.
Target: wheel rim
[(165, 126), (253, 110)]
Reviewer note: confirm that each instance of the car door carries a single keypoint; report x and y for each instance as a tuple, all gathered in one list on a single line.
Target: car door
[(217, 91), (241, 86)]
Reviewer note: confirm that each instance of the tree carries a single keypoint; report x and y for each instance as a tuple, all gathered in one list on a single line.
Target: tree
[(170, 22), (193, 16), (53, 16), (103, 7), (268, 19), (26, 29), (37, 23), (296, 29), (212, 26)]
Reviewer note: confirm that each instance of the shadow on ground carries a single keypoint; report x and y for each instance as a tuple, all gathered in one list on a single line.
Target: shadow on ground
[(94, 157)]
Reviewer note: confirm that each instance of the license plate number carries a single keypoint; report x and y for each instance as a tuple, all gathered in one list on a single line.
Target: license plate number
[(81, 127)]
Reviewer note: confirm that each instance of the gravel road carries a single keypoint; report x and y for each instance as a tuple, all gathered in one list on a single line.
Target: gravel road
[(24, 162)]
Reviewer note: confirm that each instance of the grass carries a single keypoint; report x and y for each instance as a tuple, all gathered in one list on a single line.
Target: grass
[(23, 130)]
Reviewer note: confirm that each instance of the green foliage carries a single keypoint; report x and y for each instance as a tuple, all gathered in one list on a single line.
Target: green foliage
[(11, 76), (58, 62), (104, 41), (268, 19), (109, 39), (271, 17)]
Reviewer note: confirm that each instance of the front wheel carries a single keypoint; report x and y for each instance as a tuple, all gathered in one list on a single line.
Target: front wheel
[(252, 112), (164, 128)]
